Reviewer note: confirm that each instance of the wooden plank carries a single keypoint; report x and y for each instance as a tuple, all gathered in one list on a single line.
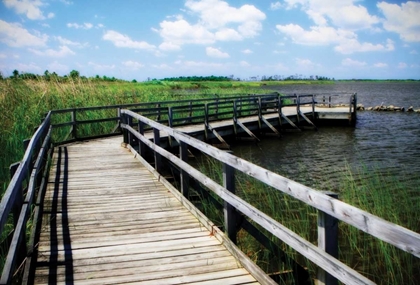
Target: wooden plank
[(124, 227)]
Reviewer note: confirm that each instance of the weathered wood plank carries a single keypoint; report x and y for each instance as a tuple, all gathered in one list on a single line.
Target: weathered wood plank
[(124, 227)]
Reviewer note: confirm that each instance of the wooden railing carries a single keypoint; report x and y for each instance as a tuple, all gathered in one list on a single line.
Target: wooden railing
[(23, 198), (398, 236)]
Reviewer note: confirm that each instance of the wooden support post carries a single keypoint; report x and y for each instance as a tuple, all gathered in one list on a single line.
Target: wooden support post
[(19, 197), (142, 146), (170, 117), (125, 131), (184, 176), (229, 211), (328, 241), (74, 124), (158, 158), (129, 134)]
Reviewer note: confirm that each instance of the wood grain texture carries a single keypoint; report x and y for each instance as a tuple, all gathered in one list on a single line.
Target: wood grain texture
[(123, 225)]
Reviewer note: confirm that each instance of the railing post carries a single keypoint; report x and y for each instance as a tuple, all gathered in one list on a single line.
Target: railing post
[(158, 158), (74, 124), (170, 117), (298, 108), (184, 177), (19, 197), (142, 146), (229, 211), (327, 241), (129, 134), (125, 131)]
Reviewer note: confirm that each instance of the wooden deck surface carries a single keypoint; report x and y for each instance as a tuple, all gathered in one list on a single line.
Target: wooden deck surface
[(108, 220)]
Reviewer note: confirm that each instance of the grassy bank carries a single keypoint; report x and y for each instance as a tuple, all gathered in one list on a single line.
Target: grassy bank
[(378, 261)]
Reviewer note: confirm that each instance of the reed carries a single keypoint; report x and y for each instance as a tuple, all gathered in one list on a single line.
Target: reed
[(380, 195)]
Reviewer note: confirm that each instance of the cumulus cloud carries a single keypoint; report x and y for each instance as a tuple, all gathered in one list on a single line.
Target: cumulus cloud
[(120, 40), (215, 21), (247, 51), (61, 52), (14, 35), (30, 8), (352, 63), (169, 46), (342, 14), (345, 41), (134, 65), (243, 63), (214, 52), (402, 20)]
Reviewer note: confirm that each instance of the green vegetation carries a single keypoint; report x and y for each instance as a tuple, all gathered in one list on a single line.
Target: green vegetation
[(377, 260)]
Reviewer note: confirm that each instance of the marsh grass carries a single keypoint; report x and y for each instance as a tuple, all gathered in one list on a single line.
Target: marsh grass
[(380, 195)]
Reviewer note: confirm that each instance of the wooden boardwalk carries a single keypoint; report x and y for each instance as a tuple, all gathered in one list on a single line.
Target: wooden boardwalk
[(108, 220)]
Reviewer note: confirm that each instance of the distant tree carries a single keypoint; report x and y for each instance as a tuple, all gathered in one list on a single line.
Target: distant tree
[(133, 81), (1, 76), (74, 74), (15, 74), (47, 75)]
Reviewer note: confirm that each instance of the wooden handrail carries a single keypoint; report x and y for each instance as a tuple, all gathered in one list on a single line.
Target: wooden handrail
[(398, 236), (14, 197)]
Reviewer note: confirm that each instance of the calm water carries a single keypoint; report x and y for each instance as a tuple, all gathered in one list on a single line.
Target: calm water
[(388, 142)]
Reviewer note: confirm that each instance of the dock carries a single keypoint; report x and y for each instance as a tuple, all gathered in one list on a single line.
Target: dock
[(101, 210), (108, 220)]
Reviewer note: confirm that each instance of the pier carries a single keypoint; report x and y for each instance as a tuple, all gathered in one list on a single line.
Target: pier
[(104, 211)]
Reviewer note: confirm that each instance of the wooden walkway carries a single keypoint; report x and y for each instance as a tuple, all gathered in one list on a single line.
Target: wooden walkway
[(108, 220)]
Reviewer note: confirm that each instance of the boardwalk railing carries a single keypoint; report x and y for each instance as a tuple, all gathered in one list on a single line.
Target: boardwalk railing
[(21, 204), (23, 200), (400, 237)]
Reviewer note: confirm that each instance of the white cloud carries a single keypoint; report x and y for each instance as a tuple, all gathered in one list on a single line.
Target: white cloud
[(214, 52), (352, 63), (402, 19), (15, 35), (317, 35), (402, 65), (57, 67), (243, 63), (63, 51), (134, 65), (305, 63), (31, 8), (84, 26), (216, 21), (380, 65), (120, 40), (64, 41), (50, 15), (101, 67), (342, 14), (181, 32), (247, 51), (352, 46), (345, 41), (275, 5), (169, 46)]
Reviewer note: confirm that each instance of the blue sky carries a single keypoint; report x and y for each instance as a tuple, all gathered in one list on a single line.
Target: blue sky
[(140, 39)]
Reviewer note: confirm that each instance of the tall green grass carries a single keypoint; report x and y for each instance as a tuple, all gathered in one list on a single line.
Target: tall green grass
[(384, 197)]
